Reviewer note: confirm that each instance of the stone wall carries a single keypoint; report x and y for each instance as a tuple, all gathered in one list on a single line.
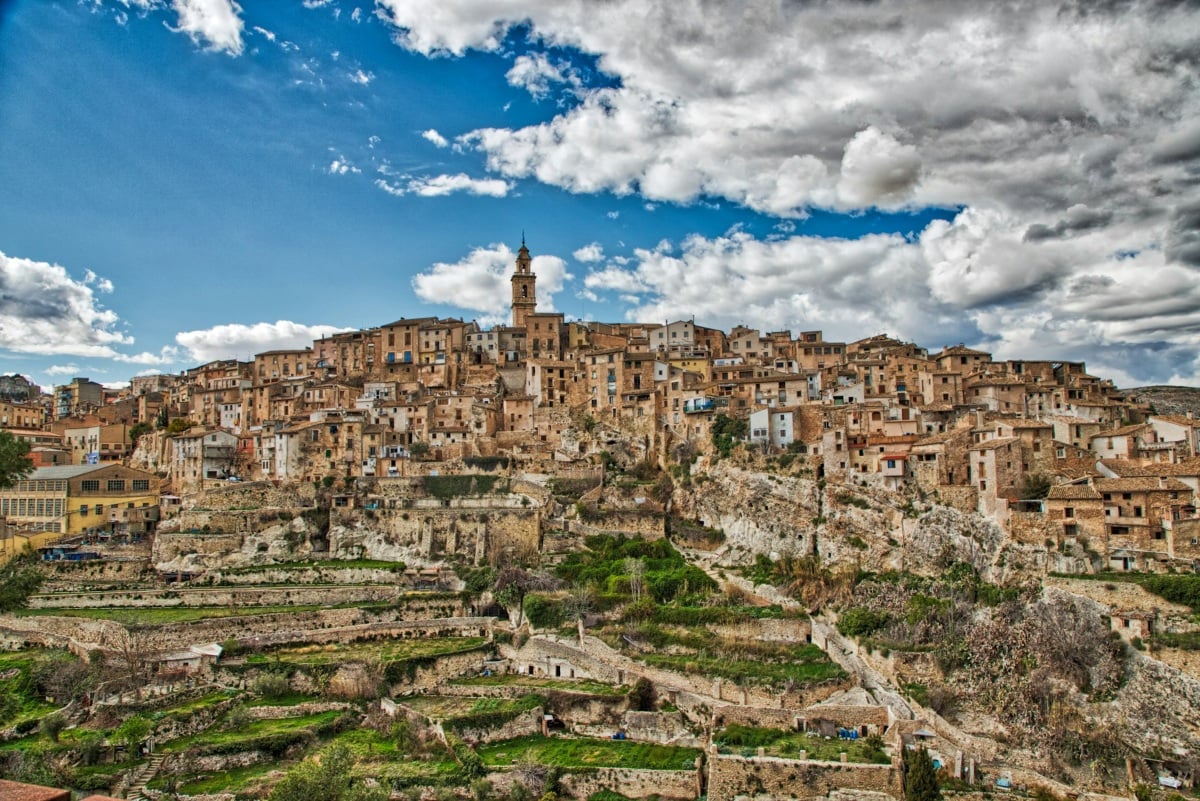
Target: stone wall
[(481, 531), (258, 596), (791, 630), (70, 575), (731, 776), (963, 499), (873, 717), (681, 784), (81, 635), (1033, 528), (522, 725), (650, 526)]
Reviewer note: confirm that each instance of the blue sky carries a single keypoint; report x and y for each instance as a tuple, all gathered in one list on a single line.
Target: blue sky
[(183, 180)]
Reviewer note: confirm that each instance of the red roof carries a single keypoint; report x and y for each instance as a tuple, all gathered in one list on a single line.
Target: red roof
[(19, 791)]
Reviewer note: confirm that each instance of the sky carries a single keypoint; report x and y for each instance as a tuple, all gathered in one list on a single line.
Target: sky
[(189, 180)]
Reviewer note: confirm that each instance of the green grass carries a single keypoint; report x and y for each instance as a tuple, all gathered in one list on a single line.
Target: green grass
[(291, 699), (1188, 641), (228, 781), (746, 740), (802, 664), (588, 753), (249, 736), (521, 680), (383, 651), (19, 698), (142, 616), (188, 708), (1180, 588)]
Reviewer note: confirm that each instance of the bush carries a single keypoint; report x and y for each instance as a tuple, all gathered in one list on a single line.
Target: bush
[(861, 622), (543, 612)]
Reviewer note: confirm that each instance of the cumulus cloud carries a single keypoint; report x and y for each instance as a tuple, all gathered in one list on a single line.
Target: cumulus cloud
[(435, 137), (441, 185), (44, 310), (62, 369), (481, 282), (589, 253), (217, 23), (339, 166), (362, 78), (784, 107), (536, 73), (239, 341), (1067, 134)]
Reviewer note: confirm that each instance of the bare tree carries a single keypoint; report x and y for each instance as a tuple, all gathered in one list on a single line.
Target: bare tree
[(635, 569)]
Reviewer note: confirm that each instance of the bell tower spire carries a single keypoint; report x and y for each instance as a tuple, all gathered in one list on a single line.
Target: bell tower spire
[(524, 287)]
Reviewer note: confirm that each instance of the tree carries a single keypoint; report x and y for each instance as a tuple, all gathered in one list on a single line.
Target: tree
[(137, 430), (1036, 486), (327, 779), (726, 431), (15, 463), (132, 732), (920, 777), (635, 569)]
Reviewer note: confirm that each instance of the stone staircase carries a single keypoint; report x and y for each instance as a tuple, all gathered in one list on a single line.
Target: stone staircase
[(135, 783)]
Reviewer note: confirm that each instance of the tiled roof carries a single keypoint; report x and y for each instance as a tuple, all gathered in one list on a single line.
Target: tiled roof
[(1073, 492), (19, 791), (1141, 484)]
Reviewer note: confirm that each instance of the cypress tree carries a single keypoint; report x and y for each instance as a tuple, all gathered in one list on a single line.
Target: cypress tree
[(920, 778)]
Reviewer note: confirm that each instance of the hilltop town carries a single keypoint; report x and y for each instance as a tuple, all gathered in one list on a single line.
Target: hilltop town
[(784, 565)]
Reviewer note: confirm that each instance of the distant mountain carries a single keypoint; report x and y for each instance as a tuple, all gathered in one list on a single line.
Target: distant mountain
[(1168, 400)]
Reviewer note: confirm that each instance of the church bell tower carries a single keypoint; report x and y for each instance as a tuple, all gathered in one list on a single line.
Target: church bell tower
[(524, 289)]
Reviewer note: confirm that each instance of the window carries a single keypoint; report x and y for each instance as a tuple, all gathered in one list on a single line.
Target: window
[(141, 485), (1069, 511), (116, 485), (83, 510), (90, 485)]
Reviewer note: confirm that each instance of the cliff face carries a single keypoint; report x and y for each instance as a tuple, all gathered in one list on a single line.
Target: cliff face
[(848, 524)]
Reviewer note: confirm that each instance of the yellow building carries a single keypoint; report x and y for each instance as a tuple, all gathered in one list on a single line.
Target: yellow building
[(71, 499)]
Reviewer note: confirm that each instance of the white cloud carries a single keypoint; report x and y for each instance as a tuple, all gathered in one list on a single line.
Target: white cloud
[(441, 185), (216, 22), (536, 74), (589, 253), (362, 78), (339, 166), (62, 369), (43, 310), (1067, 133), (877, 170), (356, 14), (316, 3), (268, 35), (101, 284), (239, 341), (435, 137), (481, 282), (168, 355)]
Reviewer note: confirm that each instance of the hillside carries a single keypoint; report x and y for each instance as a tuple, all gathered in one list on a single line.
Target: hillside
[(1167, 400)]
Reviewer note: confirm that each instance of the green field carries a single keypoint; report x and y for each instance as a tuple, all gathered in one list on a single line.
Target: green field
[(129, 616), (382, 651), (807, 664), (746, 740), (534, 682), (569, 752), (254, 735)]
